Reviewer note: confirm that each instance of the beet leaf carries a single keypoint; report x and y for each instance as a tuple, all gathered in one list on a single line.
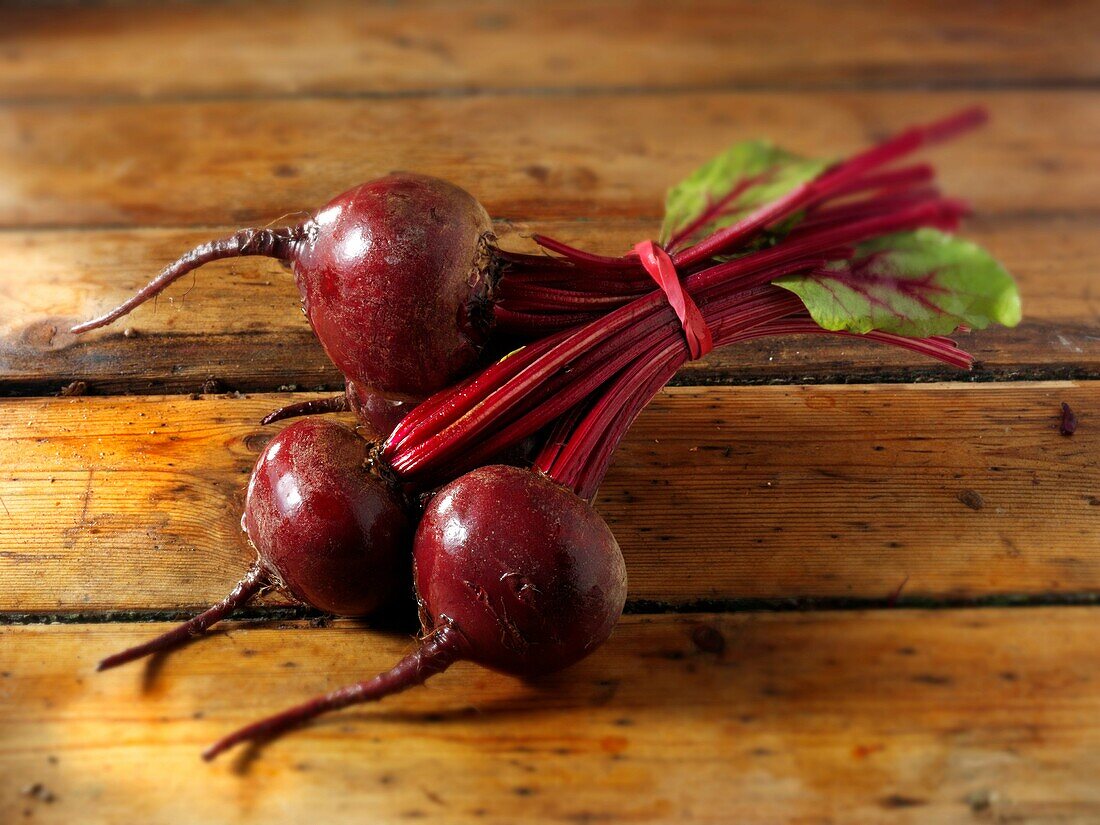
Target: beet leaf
[(741, 179), (913, 284)]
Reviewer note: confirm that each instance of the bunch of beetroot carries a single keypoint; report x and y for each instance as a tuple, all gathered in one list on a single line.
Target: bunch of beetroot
[(485, 480)]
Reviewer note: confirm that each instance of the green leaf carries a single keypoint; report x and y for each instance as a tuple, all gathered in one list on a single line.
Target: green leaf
[(914, 284), (754, 172)]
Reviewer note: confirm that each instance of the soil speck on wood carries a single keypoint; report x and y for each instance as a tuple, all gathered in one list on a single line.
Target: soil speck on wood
[(972, 499)]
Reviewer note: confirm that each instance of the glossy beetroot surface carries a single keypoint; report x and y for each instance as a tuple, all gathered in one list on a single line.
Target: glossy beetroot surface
[(328, 531), (528, 573), (394, 276)]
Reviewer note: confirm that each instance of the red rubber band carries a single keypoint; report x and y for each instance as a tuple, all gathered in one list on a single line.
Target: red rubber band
[(659, 265)]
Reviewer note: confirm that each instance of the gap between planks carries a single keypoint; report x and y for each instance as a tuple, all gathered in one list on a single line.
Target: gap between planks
[(945, 84), (263, 615)]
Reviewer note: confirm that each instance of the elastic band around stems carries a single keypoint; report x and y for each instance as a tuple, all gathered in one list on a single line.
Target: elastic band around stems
[(659, 265)]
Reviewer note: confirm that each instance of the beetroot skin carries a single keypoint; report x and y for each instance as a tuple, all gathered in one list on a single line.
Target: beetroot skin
[(528, 572), (328, 531), (404, 252)]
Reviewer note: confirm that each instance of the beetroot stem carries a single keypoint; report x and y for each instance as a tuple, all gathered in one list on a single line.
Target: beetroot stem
[(890, 180), (269, 243), (448, 405), (315, 406), (582, 258), (436, 653), (253, 582)]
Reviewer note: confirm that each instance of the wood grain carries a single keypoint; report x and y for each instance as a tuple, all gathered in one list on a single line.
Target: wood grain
[(900, 716), (240, 322), (959, 490), (225, 48), (588, 156)]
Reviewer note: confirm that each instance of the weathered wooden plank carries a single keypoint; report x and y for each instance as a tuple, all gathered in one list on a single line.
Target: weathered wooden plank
[(567, 157), (899, 716), (958, 490), (240, 323), (378, 48)]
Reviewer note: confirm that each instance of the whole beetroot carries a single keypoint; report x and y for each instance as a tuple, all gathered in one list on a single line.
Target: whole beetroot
[(396, 278), (399, 267), (328, 531)]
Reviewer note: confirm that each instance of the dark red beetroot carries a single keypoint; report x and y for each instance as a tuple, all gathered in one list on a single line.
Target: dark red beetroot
[(327, 531), (399, 267), (396, 277), (512, 570), (529, 572)]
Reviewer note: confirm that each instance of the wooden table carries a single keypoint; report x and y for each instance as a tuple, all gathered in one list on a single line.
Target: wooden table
[(863, 587)]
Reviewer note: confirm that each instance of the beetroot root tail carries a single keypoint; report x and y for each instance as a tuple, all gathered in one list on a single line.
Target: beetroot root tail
[(436, 653), (317, 406), (253, 582), (269, 243)]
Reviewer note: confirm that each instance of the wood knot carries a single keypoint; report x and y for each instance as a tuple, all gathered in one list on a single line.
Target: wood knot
[(255, 442), (47, 334), (708, 638)]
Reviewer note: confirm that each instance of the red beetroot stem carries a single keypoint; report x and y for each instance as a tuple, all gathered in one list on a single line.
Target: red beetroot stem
[(316, 406), (496, 408), (714, 210), (942, 213), (537, 324), (866, 208), (591, 431), (270, 243), (535, 296), (253, 582), (890, 180), (585, 476), (440, 650), (580, 257), (450, 405), (562, 393)]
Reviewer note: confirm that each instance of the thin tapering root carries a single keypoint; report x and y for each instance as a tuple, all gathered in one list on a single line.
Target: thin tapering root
[(436, 653), (253, 582), (316, 406), (269, 243)]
